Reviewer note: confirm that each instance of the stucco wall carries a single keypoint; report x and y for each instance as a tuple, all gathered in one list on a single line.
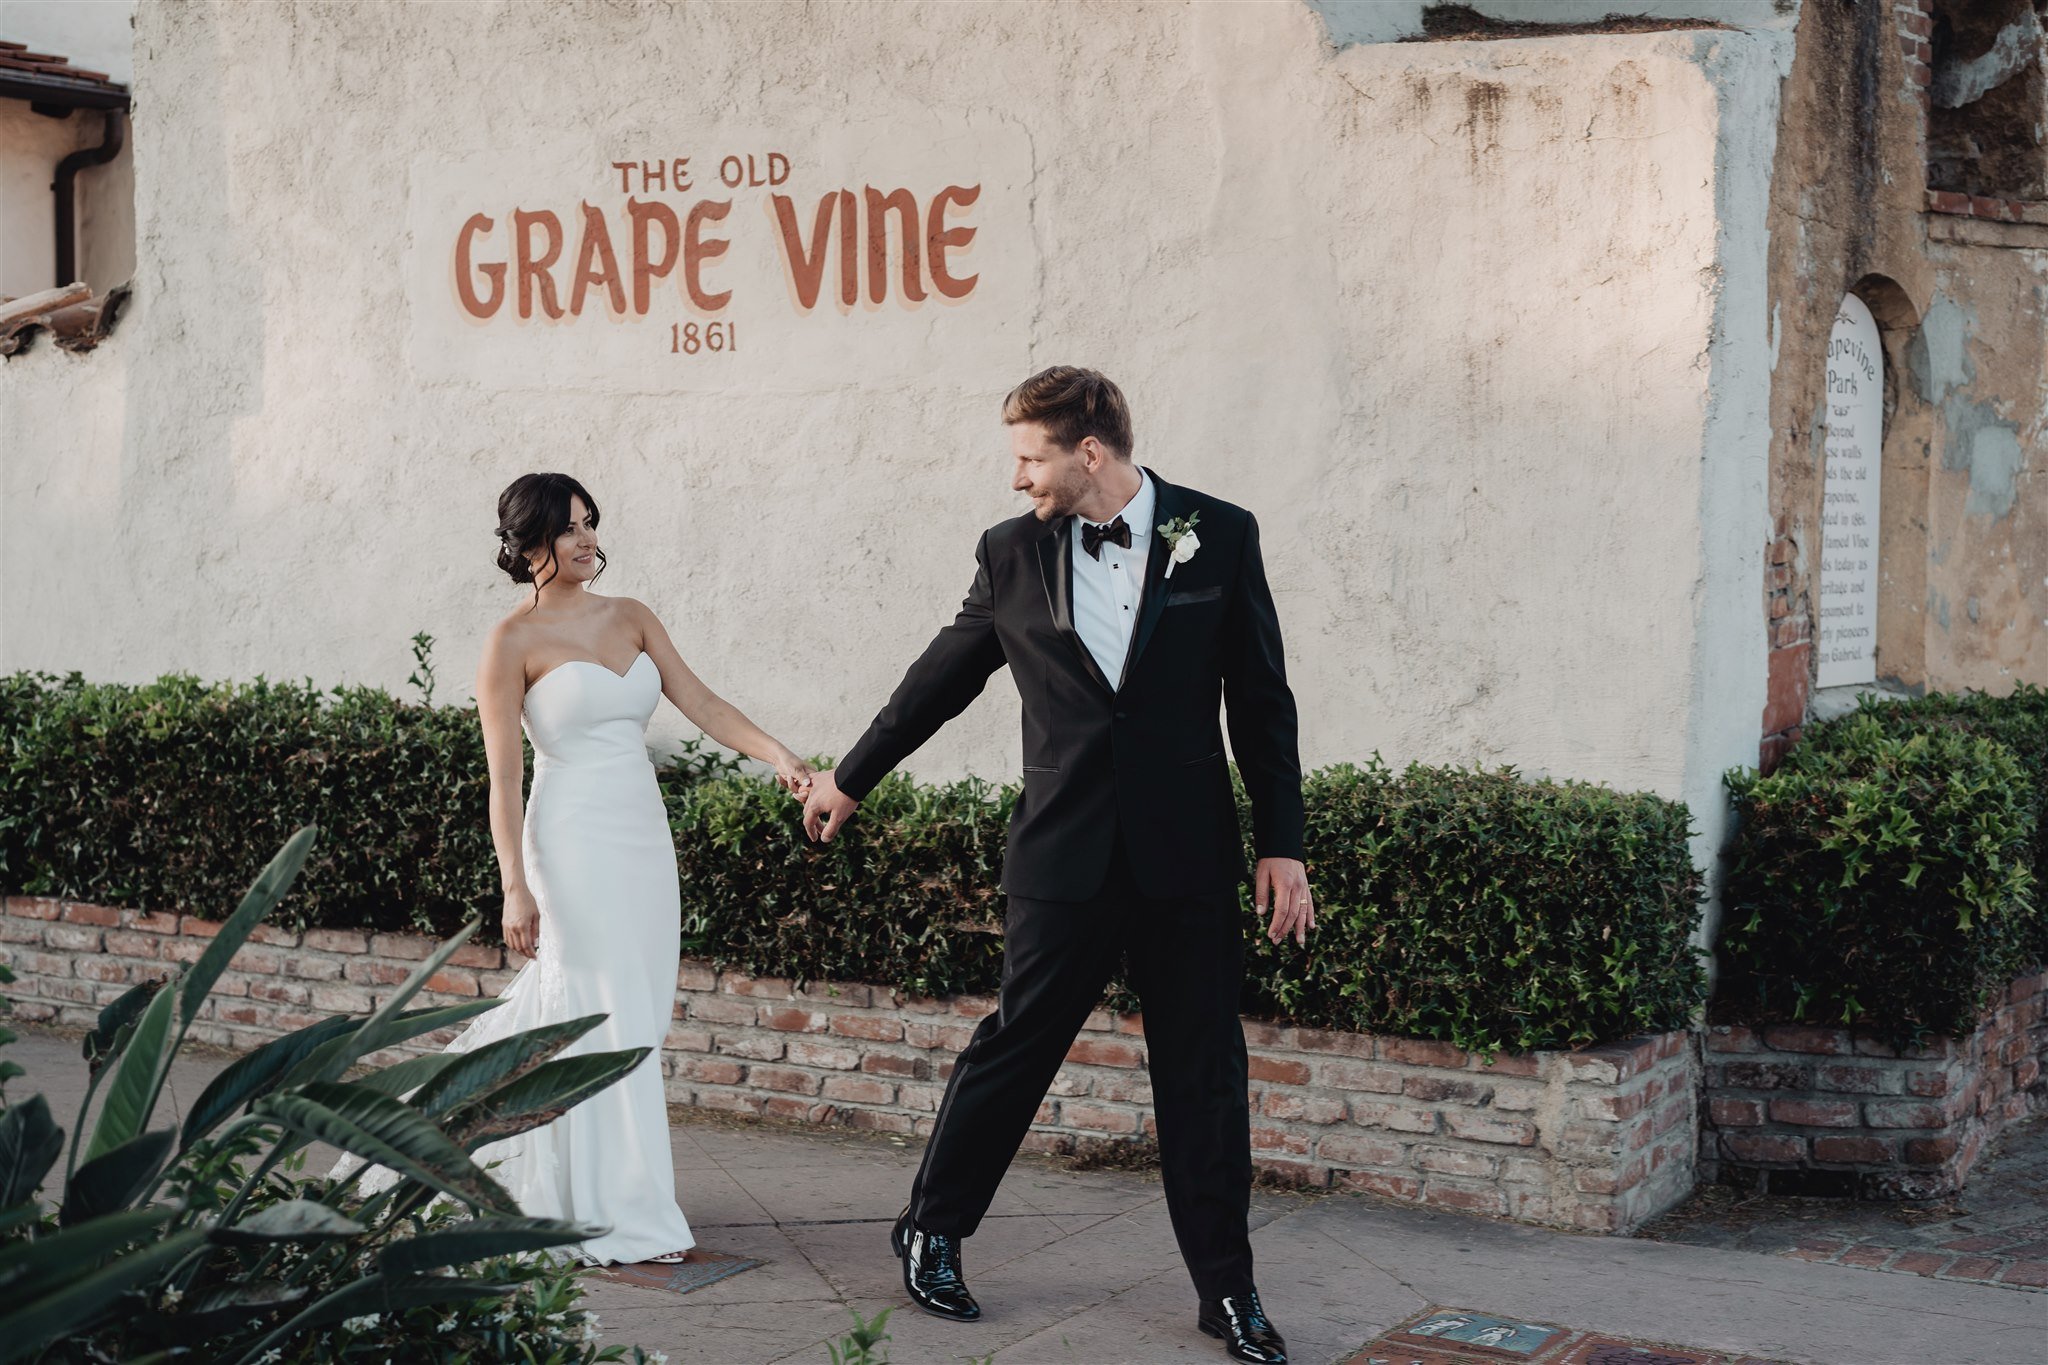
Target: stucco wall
[(1475, 328), (1982, 365)]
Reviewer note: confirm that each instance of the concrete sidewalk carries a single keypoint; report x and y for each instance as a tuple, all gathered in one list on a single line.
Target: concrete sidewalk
[(1081, 1267)]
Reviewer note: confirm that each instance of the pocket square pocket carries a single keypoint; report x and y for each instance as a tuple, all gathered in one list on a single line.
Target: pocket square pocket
[(1194, 595)]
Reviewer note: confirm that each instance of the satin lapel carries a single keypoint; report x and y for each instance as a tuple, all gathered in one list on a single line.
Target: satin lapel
[(1166, 505), (1056, 566)]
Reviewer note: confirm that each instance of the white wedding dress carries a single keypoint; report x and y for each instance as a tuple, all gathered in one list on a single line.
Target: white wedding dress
[(602, 866)]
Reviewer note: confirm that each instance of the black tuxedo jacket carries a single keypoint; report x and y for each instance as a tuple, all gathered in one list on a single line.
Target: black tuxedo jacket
[(1143, 752)]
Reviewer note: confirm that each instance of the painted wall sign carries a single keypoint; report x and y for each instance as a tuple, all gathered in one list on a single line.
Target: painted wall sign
[(728, 259), (1847, 642)]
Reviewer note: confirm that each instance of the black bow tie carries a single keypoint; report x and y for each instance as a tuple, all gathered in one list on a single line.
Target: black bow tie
[(1092, 536)]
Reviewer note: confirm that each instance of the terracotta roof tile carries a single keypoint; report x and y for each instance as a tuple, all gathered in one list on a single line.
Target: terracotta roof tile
[(16, 57)]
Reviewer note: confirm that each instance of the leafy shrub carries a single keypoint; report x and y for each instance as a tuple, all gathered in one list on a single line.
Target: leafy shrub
[(1881, 878), (2019, 721), (906, 897), (1475, 907), (1489, 910), (198, 1242), (153, 796)]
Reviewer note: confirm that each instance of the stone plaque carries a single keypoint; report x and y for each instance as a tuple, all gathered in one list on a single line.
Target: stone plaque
[(1847, 642)]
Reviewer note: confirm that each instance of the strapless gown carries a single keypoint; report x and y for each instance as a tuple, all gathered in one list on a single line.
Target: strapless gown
[(602, 865)]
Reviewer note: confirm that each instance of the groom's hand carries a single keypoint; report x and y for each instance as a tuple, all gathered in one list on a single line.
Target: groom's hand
[(826, 809), (1283, 884)]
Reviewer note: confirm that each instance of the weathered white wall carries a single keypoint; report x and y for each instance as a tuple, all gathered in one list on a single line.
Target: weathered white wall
[(1473, 327)]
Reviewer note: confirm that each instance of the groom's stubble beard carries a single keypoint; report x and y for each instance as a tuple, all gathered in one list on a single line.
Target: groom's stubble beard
[(1064, 495)]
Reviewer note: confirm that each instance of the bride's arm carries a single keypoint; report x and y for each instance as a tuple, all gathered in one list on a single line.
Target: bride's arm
[(500, 692), (708, 711)]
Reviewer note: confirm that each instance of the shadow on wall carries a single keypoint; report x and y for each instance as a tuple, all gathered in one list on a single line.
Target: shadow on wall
[(196, 347)]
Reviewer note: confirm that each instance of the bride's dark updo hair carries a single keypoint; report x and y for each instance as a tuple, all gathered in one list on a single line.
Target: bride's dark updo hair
[(532, 511)]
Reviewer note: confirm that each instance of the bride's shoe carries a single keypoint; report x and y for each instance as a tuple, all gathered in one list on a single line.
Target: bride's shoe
[(669, 1258)]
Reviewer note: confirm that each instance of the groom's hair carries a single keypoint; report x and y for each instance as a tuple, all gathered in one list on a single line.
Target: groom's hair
[(1072, 403)]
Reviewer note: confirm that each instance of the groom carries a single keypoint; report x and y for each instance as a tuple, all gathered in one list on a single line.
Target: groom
[(1124, 628)]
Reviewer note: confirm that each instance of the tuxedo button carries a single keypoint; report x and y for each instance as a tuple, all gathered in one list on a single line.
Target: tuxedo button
[(1120, 715)]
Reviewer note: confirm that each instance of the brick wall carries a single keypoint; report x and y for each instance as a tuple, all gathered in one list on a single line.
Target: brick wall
[(1795, 1109), (1989, 209), (1791, 653), (1600, 1139)]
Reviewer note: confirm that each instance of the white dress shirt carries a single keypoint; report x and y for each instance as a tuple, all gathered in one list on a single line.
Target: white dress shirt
[(1107, 590)]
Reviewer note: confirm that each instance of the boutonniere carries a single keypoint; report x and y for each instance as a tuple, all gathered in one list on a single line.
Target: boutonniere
[(1181, 540)]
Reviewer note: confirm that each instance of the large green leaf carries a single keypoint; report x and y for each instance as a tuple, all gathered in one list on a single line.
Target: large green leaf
[(375, 1294), (294, 1220), (105, 1040), (409, 1074), (387, 1132), (30, 1142), (404, 1026), (80, 1300), (540, 1096), (499, 1063), (254, 1073), (146, 1061), (112, 1182), (328, 1061), (262, 897), (26, 1267), (389, 1024), (213, 1312), (477, 1239), (138, 1077)]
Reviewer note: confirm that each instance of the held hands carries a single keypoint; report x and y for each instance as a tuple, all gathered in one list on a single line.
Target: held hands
[(791, 772), (826, 808), (1284, 883), (522, 922)]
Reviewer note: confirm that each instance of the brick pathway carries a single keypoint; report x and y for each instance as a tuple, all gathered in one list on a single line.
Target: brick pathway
[(1995, 1232)]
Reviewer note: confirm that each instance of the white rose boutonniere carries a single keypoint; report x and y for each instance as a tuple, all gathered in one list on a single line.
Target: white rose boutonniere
[(1181, 540)]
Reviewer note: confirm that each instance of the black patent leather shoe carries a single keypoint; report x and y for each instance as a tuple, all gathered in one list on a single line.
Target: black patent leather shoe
[(931, 1271), (1247, 1333)]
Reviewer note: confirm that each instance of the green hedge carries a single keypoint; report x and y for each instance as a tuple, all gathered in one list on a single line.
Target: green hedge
[(163, 796), (2019, 721), (1884, 876), (1474, 907), (1470, 906)]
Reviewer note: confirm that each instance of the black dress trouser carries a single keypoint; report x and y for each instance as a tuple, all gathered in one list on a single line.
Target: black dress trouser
[(1184, 957)]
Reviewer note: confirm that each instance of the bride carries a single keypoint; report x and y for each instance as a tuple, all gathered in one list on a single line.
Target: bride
[(588, 866)]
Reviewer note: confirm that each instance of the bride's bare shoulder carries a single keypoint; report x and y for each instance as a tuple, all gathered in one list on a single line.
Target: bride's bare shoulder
[(510, 637), (635, 611)]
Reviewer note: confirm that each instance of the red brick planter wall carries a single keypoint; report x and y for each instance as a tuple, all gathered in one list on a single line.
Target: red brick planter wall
[(1601, 1139), (1795, 1109)]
